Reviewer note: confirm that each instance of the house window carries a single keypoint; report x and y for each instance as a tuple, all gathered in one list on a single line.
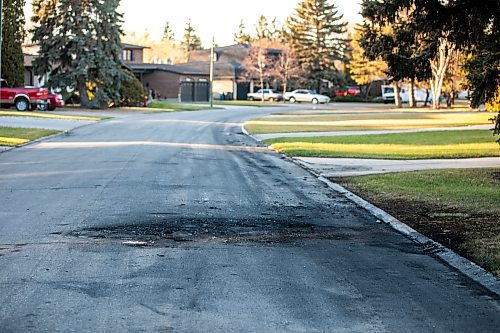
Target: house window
[(127, 55)]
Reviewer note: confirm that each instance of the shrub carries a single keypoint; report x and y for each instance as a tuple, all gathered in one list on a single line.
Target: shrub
[(132, 92)]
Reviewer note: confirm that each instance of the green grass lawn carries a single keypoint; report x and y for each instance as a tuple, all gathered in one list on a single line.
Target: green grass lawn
[(46, 115), (175, 106), (366, 121), (421, 145), (11, 136), (458, 208)]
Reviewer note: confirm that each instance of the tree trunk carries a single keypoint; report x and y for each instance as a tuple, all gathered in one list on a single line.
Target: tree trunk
[(286, 64), (439, 66), (82, 89), (284, 89), (261, 71), (397, 96), (411, 94), (427, 95)]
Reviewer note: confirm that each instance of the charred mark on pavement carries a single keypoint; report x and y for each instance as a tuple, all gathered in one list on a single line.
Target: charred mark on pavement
[(175, 229)]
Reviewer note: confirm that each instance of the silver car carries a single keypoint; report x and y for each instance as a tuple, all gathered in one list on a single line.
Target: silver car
[(267, 94), (303, 95)]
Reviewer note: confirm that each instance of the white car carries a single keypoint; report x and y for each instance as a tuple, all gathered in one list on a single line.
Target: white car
[(268, 94), (463, 95), (303, 95)]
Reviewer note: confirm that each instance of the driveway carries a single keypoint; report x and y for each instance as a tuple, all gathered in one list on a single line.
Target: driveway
[(180, 223)]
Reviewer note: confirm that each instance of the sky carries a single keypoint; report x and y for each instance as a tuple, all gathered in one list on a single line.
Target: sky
[(218, 18)]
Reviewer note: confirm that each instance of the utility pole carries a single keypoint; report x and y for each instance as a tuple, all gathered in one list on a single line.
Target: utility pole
[(211, 89)]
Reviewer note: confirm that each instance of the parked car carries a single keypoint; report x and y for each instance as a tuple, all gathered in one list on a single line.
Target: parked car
[(24, 99), (55, 101), (303, 95), (463, 95), (339, 91), (269, 95), (353, 90), (419, 94)]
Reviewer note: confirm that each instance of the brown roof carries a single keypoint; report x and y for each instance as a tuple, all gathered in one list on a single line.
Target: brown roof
[(178, 69), (134, 47), (221, 69), (231, 53)]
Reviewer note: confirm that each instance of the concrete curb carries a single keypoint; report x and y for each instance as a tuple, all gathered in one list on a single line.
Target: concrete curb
[(463, 265)]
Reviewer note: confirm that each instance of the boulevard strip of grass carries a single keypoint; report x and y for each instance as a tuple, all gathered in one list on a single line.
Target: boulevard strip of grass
[(13, 136), (175, 106), (366, 121), (47, 115), (458, 208), (419, 145)]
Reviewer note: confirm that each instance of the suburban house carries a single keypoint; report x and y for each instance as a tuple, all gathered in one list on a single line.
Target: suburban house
[(133, 54), (30, 79), (163, 79), (228, 70), (169, 81)]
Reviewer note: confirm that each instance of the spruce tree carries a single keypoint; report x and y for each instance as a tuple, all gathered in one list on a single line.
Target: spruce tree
[(13, 35), (191, 41), (275, 30), (262, 28), (315, 33), (168, 34), (80, 46), (241, 37)]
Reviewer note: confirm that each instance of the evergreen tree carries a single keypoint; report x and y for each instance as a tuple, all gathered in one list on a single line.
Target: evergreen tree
[(191, 41), (315, 34), (80, 45), (241, 37), (13, 35), (275, 31), (362, 70), (262, 28), (168, 34)]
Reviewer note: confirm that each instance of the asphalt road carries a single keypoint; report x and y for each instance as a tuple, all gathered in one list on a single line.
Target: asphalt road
[(180, 223)]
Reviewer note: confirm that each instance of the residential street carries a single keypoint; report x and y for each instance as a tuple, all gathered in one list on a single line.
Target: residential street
[(178, 222)]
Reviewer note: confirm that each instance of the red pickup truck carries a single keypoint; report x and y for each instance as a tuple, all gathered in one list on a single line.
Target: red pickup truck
[(24, 99)]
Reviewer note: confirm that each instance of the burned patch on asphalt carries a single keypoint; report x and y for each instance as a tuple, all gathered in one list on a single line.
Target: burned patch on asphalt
[(175, 230)]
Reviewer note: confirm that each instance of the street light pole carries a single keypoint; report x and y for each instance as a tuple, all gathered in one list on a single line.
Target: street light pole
[(211, 89)]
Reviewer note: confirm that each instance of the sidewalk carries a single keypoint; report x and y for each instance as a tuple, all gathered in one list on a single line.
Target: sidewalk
[(345, 167)]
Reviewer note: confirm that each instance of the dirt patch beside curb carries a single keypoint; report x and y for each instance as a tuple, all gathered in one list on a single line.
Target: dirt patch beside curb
[(474, 235)]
